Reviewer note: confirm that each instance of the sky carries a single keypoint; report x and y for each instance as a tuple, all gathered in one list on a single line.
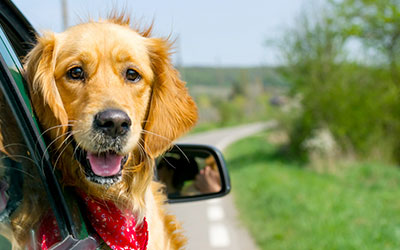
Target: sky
[(208, 32)]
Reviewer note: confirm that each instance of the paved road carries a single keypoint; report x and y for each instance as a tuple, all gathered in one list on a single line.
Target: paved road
[(213, 224)]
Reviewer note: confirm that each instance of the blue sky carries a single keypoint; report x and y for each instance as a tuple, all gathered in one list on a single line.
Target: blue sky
[(209, 32)]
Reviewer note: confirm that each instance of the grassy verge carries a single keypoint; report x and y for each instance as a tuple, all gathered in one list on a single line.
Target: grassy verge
[(288, 206), (204, 127)]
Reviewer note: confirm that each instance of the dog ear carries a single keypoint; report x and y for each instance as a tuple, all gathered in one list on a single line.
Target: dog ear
[(39, 71), (172, 111)]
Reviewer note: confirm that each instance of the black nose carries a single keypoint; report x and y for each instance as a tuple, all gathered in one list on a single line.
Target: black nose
[(112, 122)]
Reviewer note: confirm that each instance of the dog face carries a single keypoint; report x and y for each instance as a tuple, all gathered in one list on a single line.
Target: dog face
[(104, 79), (108, 97)]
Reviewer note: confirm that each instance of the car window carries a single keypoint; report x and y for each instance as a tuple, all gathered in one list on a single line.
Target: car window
[(26, 216), (23, 199), (32, 213), (18, 29)]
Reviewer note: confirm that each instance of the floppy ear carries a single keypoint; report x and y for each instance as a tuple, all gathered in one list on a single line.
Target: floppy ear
[(172, 111), (46, 100)]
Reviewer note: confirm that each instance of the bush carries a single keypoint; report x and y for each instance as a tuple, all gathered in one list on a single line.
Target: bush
[(357, 103)]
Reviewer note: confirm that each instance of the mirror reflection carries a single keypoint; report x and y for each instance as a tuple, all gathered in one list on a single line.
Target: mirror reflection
[(189, 173)]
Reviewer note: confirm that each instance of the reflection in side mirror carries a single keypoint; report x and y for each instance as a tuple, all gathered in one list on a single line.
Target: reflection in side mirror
[(193, 172)]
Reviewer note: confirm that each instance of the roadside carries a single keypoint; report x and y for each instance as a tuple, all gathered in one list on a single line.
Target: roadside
[(214, 224), (221, 138), (292, 205)]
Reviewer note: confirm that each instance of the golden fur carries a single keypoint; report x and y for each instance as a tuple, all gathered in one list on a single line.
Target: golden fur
[(159, 106)]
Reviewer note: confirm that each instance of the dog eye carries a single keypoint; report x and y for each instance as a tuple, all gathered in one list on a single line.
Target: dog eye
[(76, 73), (133, 75)]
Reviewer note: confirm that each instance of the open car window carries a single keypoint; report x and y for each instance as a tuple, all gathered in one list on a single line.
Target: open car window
[(23, 199), (26, 215), (34, 212)]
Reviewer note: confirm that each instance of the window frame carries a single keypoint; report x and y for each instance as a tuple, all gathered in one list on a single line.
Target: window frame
[(18, 100)]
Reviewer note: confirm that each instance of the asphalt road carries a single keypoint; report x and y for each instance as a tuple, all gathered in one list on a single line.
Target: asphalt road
[(214, 224)]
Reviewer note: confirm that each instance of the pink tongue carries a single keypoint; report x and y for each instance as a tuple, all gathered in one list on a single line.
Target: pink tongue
[(107, 164)]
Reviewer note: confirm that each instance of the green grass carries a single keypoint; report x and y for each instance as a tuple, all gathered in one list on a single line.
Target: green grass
[(203, 128), (288, 206)]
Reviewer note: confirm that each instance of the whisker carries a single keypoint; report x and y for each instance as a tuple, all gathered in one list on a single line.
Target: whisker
[(142, 153), (152, 133), (48, 147), (51, 128), (95, 138), (142, 149), (170, 164), (20, 170), (80, 169), (65, 147), (57, 126), (12, 145), (20, 156), (183, 153), (76, 149), (170, 141)]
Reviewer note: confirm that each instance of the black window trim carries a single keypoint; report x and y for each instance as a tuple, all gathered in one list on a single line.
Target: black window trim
[(23, 31), (38, 150), (25, 34)]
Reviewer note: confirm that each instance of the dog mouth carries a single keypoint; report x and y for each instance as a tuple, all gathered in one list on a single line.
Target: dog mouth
[(103, 168)]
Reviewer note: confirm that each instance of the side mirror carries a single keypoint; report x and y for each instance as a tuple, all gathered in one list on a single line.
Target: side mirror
[(193, 172)]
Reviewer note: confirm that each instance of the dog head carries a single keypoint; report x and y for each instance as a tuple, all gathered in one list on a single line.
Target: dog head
[(109, 98)]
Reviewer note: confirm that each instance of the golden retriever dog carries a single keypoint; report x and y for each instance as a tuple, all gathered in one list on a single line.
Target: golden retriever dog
[(108, 95)]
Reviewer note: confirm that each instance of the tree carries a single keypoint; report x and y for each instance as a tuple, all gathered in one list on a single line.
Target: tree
[(354, 100), (377, 25)]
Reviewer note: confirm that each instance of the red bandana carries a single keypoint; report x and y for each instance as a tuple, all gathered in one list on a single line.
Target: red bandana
[(117, 230)]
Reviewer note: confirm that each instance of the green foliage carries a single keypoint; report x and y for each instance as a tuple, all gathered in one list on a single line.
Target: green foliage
[(286, 205), (225, 76), (231, 96), (358, 103), (377, 25)]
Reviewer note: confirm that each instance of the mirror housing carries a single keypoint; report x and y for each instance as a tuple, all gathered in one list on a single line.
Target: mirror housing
[(193, 172)]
